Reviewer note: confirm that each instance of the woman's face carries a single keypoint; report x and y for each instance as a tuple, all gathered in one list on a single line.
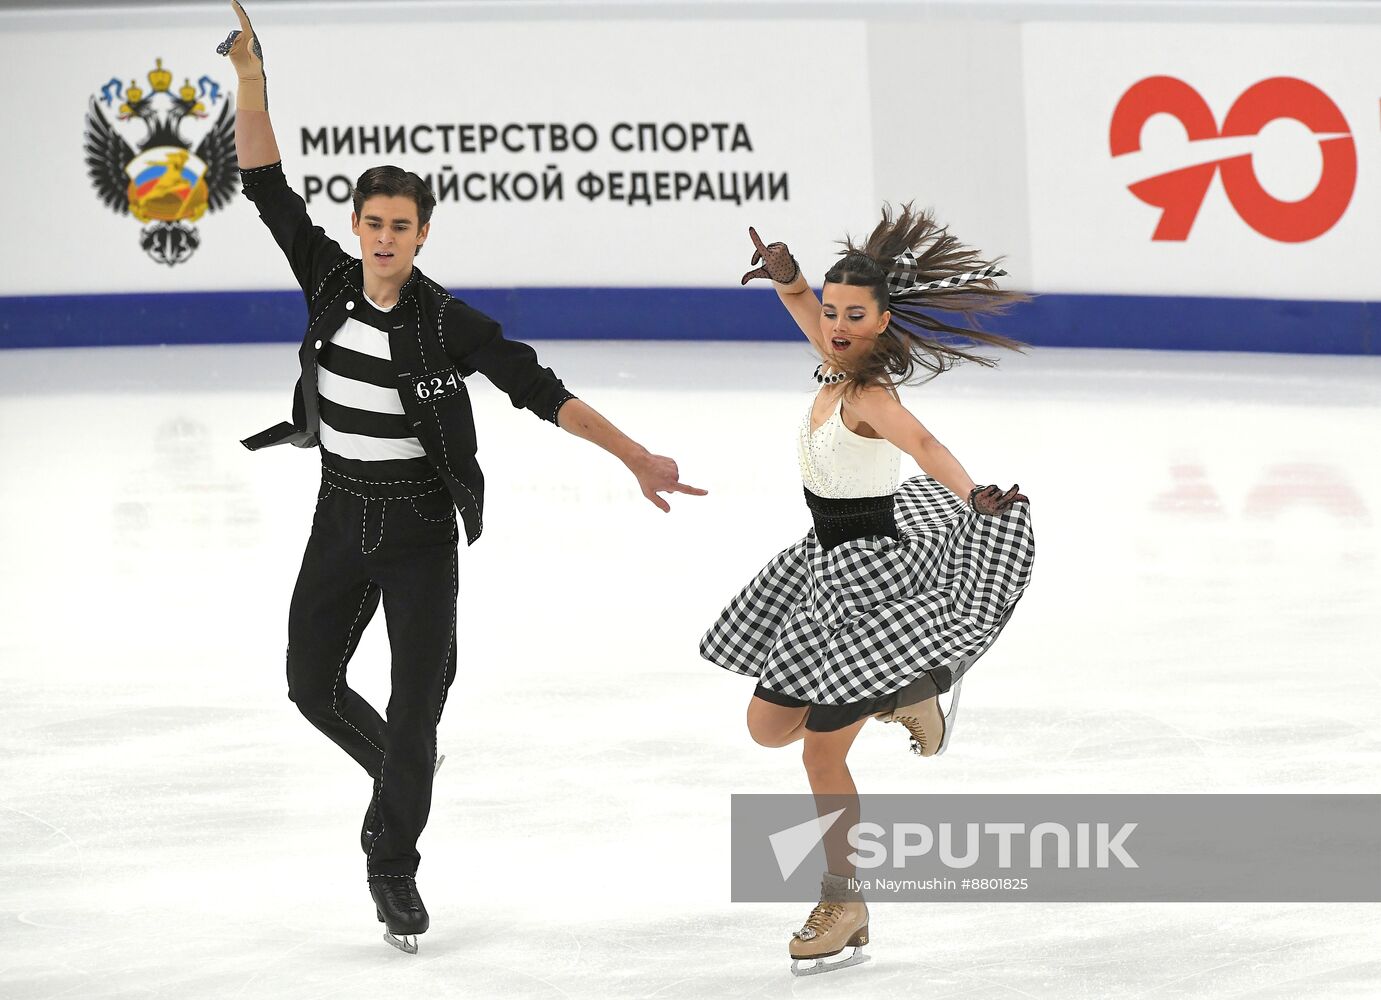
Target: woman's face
[(850, 322)]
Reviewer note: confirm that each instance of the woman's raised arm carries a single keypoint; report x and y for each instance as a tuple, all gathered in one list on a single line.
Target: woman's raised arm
[(791, 285)]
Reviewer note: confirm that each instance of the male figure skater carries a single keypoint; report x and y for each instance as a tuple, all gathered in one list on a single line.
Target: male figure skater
[(382, 395)]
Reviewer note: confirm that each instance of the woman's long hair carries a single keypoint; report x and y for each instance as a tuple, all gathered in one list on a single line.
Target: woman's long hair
[(916, 341)]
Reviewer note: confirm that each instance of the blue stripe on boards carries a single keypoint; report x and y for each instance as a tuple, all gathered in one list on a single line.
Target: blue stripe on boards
[(1139, 321)]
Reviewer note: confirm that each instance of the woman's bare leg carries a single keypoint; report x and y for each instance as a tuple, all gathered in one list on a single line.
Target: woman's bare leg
[(824, 757), (775, 725)]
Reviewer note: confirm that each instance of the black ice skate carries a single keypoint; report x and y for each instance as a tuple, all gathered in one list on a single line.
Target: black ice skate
[(369, 829), (399, 908)]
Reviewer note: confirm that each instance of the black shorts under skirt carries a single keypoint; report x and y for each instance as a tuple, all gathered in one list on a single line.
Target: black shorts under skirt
[(832, 718)]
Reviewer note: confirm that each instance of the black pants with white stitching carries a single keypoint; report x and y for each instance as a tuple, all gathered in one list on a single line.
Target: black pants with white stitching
[(398, 542)]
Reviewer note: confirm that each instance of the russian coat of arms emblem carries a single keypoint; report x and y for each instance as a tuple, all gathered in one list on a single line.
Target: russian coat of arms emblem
[(162, 181)]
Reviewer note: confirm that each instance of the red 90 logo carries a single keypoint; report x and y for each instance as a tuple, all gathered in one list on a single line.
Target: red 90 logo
[(1179, 193)]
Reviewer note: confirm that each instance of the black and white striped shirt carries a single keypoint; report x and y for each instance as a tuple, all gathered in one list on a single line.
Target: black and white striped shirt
[(361, 414)]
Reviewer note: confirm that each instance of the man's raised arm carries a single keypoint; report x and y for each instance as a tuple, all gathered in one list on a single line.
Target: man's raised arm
[(310, 252), (255, 145)]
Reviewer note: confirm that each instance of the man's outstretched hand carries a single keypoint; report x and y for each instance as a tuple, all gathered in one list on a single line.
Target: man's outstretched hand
[(658, 474)]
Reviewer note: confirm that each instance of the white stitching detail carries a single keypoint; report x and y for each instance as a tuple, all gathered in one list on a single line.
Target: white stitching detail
[(346, 489), (340, 670), (374, 843), (445, 455), (433, 520), (339, 292), (366, 496), (325, 277), (390, 482), (556, 410), (450, 644), (440, 336), (364, 524)]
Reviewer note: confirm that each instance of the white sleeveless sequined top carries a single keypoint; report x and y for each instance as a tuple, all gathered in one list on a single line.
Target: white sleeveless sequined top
[(841, 465)]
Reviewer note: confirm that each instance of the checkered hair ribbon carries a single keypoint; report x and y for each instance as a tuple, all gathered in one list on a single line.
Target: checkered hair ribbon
[(901, 279)]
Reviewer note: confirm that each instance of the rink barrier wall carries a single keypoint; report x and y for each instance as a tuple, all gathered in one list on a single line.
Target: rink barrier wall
[(1054, 320)]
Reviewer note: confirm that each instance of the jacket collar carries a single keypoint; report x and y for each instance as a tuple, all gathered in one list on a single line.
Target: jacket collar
[(355, 278)]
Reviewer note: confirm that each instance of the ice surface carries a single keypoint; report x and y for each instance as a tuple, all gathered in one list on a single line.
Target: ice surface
[(1203, 618)]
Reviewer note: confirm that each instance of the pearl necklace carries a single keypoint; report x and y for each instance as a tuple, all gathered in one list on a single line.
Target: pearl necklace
[(833, 379)]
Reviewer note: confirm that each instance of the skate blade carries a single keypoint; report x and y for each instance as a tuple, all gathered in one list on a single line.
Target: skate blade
[(950, 716), (439, 761), (407, 943), (819, 965)]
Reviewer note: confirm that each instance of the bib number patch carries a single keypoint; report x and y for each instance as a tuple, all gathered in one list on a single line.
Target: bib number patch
[(441, 384)]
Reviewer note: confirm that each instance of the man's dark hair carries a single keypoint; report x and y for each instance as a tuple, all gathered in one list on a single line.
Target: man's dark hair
[(392, 182)]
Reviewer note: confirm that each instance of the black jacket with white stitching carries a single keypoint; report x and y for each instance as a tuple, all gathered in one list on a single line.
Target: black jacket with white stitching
[(440, 343)]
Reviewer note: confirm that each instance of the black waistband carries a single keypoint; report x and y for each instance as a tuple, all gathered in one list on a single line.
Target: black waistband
[(399, 489), (840, 521)]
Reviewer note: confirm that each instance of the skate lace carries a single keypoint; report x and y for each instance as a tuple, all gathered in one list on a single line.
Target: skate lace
[(402, 897), (913, 726), (821, 919)]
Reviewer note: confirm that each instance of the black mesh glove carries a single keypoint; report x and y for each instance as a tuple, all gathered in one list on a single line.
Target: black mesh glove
[(991, 501), (777, 262)]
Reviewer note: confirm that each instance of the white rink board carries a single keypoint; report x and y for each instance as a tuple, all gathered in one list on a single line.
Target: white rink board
[(1004, 133), (597, 72), (1089, 233)]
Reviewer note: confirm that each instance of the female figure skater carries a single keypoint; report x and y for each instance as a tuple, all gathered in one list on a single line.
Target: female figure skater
[(895, 591)]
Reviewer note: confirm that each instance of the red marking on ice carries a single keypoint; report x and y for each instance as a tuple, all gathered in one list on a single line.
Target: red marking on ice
[(1304, 484), (1191, 494)]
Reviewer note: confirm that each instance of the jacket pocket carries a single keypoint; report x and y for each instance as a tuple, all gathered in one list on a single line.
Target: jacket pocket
[(435, 508)]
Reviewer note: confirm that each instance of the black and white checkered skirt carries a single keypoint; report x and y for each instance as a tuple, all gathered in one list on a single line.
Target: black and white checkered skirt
[(868, 617)]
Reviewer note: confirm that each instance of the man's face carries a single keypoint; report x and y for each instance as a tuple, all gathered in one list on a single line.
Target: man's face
[(389, 234)]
